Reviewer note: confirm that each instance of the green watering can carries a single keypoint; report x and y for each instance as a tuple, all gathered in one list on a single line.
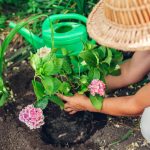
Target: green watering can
[(69, 35)]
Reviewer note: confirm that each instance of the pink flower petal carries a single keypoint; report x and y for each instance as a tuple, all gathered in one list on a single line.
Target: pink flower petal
[(32, 117), (97, 87)]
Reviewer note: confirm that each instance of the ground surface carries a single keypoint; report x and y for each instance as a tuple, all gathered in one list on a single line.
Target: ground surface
[(15, 136)]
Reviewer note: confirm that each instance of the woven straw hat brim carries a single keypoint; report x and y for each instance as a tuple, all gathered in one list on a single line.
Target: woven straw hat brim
[(117, 36)]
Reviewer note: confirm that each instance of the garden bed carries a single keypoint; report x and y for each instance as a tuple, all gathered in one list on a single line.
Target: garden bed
[(113, 133), (16, 136)]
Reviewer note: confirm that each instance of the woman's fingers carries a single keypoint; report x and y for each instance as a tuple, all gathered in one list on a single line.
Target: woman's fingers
[(63, 97), (72, 112), (66, 106), (68, 109)]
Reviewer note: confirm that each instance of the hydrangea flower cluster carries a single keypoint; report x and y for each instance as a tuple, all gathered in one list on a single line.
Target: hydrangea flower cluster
[(97, 87), (44, 51), (32, 117)]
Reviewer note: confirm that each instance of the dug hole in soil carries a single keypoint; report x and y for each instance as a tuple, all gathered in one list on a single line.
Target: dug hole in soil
[(63, 129), (60, 129)]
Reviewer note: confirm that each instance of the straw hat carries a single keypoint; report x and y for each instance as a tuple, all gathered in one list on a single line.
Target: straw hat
[(121, 24)]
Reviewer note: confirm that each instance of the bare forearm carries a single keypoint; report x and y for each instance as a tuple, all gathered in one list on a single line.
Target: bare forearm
[(130, 72), (115, 82), (118, 106), (127, 105)]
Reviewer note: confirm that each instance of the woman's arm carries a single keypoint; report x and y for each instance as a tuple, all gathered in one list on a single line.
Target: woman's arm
[(132, 71), (116, 106)]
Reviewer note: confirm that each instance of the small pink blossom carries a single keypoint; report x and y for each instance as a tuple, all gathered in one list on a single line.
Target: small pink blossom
[(44, 51), (97, 87), (32, 117)]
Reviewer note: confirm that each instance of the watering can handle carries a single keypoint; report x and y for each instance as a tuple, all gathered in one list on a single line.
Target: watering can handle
[(67, 16), (53, 18)]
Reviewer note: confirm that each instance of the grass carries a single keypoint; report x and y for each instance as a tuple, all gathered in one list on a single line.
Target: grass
[(123, 137)]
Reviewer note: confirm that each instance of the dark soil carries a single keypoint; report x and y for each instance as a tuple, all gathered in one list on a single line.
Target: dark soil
[(63, 129), (16, 136)]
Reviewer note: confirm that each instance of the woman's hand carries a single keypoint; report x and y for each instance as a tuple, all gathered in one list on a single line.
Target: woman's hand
[(75, 103)]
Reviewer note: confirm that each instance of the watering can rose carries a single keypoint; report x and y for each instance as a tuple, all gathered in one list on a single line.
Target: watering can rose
[(32, 117), (97, 87)]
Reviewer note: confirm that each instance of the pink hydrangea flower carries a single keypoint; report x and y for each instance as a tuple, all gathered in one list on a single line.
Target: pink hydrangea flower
[(32, 117), (97, 87)]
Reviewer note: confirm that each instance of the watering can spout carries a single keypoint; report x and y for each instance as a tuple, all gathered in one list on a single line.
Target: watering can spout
[(34, 40)]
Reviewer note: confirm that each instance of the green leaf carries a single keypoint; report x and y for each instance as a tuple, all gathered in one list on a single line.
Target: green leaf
[(101, 51), (35, 61), (108, 58), (67, 67), (96, 56), (64, 51), (1, 84), (117, 56), (65, 88), (38, 89), (97, 101), (57, 83), (89, 58), (104, 68), (58, 62), (48, 68), (4, 98), (51, 85), (115, 70), (42, 103), (53, 66), (94, 73), (48, 84), (89, 46), (83, 89), (57, 100), (84, 79)]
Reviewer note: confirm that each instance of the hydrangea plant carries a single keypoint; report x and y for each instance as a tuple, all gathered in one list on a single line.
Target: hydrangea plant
[(83, 74)]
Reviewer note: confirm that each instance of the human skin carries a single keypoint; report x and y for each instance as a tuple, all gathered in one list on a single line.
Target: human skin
[(132, 71)]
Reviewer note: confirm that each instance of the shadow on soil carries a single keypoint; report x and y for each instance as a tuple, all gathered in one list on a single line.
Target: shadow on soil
[(66, 130)]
